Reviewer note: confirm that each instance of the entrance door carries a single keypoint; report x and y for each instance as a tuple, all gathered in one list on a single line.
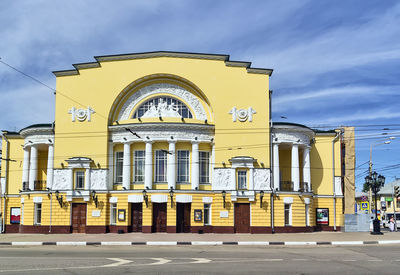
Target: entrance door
[(78, 217), (159, 217), (183, 217), (136, 217), (242, 218)]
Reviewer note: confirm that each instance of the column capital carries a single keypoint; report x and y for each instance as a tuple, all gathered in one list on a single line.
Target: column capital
[(195, 141)]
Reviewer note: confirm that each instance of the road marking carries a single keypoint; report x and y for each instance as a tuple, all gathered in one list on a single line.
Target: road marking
[(116, 243), (206, 243), (162, 243), (27, 243), (200, 261), (273, 260), (71, 243), (298, 260), (253, 243), (389, 242), (160, 261), (300, 243), (118, 262)]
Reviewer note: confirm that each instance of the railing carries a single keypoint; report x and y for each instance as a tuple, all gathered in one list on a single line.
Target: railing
[(286, 186), (303, 187), (40, 184)]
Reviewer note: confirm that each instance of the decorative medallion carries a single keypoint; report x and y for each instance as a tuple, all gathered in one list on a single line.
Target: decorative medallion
[(81, 114), (242, 114)]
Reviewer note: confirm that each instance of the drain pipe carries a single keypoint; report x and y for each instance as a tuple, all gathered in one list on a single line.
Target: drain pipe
[(271, 157), (333, 180), (5, 185), (51, 209)]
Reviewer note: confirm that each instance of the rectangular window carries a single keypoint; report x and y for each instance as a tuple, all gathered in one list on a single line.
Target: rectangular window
[(183, 166), (204, 158), (288, 214), (119, 162), (113, 214), (38, 214), (161, 166), (242, 180), (79, 180), (207, 214), (389, 204), (307, 215), (397, 205), (139, 158)]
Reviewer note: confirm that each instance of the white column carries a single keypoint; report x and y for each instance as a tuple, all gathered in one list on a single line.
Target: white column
[(306, 167), (126, 167), (171, 169), (33, 167), (25, 165), (71, 178), (111, 168), (212, 162), (251, 179), (195, 165), (87, 180), (275, 169), (148, 166), (295, 167), (50, 166)]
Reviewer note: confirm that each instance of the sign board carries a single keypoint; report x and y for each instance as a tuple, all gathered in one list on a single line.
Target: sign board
[(15, 215), (383, 205), (95, 213), (223, 214), (365, 205), (364, 198), (198, 217), (322, 216), (121, 214)]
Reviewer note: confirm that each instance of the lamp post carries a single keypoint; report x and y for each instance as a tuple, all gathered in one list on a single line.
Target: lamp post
[(388, 141), (375, 182)]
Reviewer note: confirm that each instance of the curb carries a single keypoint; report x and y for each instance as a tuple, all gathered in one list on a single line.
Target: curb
[(197, 243)]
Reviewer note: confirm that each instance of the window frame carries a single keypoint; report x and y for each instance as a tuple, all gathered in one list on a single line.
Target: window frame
[(116, 167), (289, 211), (187, 164), (209, 222), (37, 219), (136, 159), (158, 177), (239, 177), (113, 214), (76, 179), (204, 179)]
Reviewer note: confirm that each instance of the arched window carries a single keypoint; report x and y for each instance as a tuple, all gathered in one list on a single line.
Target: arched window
[(163, 106)]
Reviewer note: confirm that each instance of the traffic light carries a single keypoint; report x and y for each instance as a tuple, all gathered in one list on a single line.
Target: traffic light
[(397, 191)]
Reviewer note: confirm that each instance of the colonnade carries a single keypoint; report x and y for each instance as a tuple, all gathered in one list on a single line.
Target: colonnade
[(295, 167), (30, 165)]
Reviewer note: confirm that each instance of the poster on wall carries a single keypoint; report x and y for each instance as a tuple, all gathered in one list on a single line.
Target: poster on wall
[(198, 217), (322, 216), (15, 215)]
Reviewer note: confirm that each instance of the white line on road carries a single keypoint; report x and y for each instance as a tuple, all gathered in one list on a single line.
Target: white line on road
[(300, 243), (348, 243), (162, 243), (118, 262), (299, 260), (200, 261), (71, 243), (349, 260), (206, 243), (159, 261), (26, 243), (253, 243), (116, 243), (375, 260)]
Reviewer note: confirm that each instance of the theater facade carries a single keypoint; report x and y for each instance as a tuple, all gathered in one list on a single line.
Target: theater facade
[(169, 142)]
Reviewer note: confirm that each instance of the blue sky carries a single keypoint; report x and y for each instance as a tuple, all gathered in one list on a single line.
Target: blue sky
[(335, 62)]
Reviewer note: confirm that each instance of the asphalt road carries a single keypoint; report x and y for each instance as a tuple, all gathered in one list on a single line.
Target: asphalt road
[(370, 259)]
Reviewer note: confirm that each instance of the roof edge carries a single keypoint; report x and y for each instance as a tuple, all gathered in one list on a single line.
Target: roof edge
[(143, 55)]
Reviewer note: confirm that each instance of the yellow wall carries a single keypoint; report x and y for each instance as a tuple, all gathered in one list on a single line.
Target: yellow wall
[(16, 153)]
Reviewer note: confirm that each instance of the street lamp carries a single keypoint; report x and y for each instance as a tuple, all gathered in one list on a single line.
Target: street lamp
[(379, 143), (375, 182)]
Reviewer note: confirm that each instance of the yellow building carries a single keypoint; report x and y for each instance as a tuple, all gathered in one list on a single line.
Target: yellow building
[(169, 142)]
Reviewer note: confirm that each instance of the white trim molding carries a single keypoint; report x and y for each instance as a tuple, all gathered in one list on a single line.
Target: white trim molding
[(183, 198), (159, 198), (288, 200), (135, 198)]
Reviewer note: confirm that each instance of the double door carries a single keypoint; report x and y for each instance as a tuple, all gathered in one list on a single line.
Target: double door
[(78, 217), (242, 218), (183, 217), (136, 217), (159, 217)]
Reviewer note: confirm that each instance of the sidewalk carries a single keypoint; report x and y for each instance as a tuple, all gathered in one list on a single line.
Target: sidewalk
[(320, 237)]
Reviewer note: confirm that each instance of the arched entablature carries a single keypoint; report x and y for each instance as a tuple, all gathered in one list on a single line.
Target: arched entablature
[(291, 133), (161, 86)]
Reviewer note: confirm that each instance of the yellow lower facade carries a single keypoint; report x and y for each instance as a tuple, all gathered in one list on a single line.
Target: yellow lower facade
[(56, 216)]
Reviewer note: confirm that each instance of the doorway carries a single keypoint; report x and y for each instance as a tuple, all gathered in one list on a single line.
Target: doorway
[(78, 217), (242, 218), (159, 217), (136, 217), (183, 217)]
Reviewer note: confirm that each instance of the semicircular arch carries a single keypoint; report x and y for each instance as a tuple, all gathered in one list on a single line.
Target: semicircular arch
[(166, 84)]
